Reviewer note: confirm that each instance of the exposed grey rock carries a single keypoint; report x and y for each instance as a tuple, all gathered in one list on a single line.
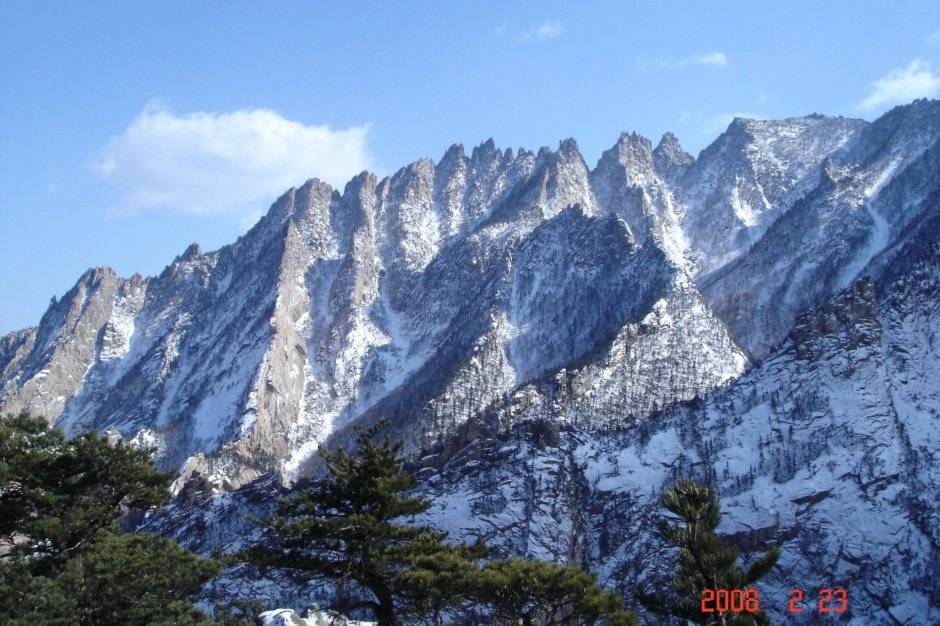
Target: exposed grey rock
[(857, 204), (826, 449), (563, 341)]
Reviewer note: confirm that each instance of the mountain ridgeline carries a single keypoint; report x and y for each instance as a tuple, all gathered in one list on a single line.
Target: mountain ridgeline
[(556, 343)]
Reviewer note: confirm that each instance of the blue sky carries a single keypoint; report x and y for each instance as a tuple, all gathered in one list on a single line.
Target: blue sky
[(130, 129)]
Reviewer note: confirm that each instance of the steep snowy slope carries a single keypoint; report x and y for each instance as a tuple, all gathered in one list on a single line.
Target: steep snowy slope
[(575, 293), (748, 177), (502, 285), (827, 449), (425, 296), (855, 205)]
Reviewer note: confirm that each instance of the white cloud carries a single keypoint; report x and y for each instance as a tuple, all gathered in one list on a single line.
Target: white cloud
[(901, 85), (229, 161), (545, 30), (709, 59), (500, 30), (716, 59), (548, 30)]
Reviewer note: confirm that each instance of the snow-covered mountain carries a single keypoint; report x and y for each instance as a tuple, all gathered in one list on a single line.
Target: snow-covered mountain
[(558, 342), (426, 297), (828, 448)]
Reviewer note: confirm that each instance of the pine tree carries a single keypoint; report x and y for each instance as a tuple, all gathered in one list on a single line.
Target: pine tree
[(704, 563), (352, 525), (136, 579), (439, 579), (346, 526), (530, 592), (56, 494), (62, 558)]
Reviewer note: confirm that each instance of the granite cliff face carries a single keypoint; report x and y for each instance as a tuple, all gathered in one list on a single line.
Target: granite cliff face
[(428, 297), (554, 343)]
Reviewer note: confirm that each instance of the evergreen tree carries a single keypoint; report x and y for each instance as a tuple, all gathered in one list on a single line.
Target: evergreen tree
[(439, 579), (704, 563), (344, 528), (136, 579), (351, 525), (56, 494), (62, 559), (530, 592)]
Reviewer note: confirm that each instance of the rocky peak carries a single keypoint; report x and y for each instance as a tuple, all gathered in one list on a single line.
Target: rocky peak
[(568, 149), (485, 150), (455, 154), (354, 208), (671, 160), (191, 252), (311, 199), (630, 159)]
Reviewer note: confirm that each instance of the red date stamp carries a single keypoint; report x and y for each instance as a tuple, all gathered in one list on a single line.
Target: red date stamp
[(835, 600), (828, 600), (730, 600)]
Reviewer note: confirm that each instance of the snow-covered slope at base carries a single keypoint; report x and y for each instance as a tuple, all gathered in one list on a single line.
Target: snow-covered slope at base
[(313, 617)]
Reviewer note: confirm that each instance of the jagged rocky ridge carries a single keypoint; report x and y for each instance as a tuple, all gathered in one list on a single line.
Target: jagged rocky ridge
[(472, 298), (426, 297)]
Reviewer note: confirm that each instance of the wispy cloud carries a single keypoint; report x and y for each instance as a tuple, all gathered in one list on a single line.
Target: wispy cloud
[(709, 59), (545, 30), (228, 161), (933, 38), (901, 85), (500, 30)]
